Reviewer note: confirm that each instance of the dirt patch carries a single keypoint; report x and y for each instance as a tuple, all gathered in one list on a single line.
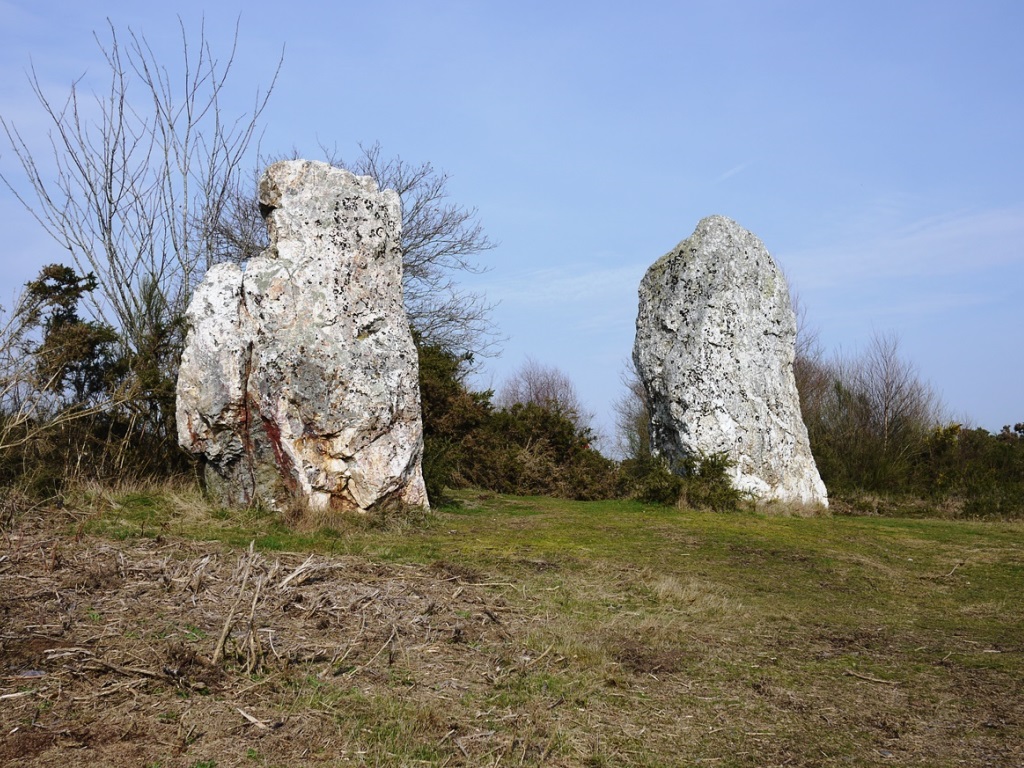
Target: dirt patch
[(641, 659), (457, 572)]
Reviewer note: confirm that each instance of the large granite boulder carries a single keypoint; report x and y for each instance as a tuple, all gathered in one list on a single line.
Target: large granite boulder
[(714, 348), (299, 377)]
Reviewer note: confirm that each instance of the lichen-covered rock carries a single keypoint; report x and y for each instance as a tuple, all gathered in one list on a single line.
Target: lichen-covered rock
[(714, 348), (299, 377)]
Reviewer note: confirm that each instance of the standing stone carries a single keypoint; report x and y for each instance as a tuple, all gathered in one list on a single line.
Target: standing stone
[(299, 377), (714, 348)]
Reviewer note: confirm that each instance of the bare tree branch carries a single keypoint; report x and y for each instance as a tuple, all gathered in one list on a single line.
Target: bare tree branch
[(440, 240), (143, 171), (632, 416)]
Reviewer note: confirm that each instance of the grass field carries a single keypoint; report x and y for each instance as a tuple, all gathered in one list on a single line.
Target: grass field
[(140, 629)]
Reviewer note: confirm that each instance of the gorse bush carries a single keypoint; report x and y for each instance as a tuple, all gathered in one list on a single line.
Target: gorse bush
[(985, 472), (530, 449), (451, 415), (73, 399), (706, 483), (699, 482), (650, 479), (525, 448)]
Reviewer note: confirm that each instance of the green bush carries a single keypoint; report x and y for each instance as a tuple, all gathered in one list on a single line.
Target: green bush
[(700, 481), (451, 413), (650, 479), (957, 472), (706, 483), (526, 449), (530, 449)]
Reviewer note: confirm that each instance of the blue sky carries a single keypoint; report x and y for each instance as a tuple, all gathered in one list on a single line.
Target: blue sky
[(875, 147)]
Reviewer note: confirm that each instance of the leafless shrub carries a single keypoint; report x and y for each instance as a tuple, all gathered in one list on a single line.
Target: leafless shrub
[(901, 406), (632, 416), (868, 416), (547, 387)]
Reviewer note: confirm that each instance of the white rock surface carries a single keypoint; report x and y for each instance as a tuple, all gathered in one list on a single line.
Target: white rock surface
[(714, 347), (300, 376)]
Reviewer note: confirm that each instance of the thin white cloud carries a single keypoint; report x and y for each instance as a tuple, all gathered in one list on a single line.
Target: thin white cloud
[(962, 243), (571, 284), (732, 172)]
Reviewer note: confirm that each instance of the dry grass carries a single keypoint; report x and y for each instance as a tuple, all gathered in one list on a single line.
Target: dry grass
[(173, 652), (510, 632)]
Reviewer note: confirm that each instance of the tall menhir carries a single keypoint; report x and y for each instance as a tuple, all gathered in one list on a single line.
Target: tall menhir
[(715, 343), (300, 377)]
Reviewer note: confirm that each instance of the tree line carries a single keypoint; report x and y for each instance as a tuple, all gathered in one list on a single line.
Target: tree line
[(882, 440)]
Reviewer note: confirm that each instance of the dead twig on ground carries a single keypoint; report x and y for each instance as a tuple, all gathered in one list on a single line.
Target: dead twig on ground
[(296, 574), (258, 723), (870, 679), (17, 695), (387, 644), (128, 671), (254, 655), (218, 651)]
